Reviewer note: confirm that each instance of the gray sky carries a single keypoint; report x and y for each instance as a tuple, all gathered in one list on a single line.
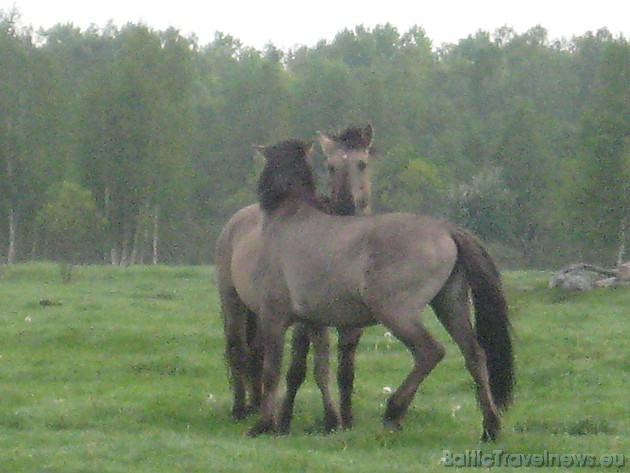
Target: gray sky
[(288, 23)]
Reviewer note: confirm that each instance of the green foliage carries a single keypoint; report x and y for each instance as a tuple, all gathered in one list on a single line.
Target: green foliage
[(483, 203), (71, 223), (604, 190), (126, 373), (518, 137), (411, 183)]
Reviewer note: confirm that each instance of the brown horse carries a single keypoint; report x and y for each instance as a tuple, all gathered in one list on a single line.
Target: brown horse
[(354, 272), (236, 255), (348, 164)]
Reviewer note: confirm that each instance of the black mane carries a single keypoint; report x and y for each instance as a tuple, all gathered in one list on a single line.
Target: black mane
[(286, 174), (325, 204), (354, 138)]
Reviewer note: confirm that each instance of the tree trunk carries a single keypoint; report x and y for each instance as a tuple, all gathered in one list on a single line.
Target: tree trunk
[(622, 241), (155, 235), (12, 239), (124, 256), (12, 232), (114, 256), (578, 277), (145, 238), (141, 235), (107, 198), (136, 240)]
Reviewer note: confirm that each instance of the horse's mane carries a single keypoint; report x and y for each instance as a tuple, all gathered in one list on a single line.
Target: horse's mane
[(354, 138), (324, 203), (286, 174)]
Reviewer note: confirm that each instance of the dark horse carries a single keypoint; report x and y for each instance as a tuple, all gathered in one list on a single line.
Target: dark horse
[(347, 161), (353, 272)]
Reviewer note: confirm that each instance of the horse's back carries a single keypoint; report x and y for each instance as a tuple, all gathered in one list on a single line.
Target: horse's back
[(408, 255), (330, 264), (236, 254), (398, 240)]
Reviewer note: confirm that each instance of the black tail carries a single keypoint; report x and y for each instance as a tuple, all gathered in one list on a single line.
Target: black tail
[(491, 314)]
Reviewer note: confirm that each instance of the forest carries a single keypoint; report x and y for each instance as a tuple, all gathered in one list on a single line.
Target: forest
[(129, 145)]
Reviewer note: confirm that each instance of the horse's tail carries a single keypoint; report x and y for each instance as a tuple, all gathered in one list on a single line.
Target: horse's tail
[(491, 314)]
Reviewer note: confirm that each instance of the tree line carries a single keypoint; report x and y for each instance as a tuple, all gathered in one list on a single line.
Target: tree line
[(131, 145)]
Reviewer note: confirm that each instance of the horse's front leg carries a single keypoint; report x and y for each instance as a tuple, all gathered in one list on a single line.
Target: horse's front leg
[(321, 342), (255, 364), (296, 373), (348, 342), (273, 326)]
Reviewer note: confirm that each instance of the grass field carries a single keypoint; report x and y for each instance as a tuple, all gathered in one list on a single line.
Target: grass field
[(122, 371)]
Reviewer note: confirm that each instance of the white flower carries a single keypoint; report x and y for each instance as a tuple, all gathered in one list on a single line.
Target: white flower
[(387, 390), (28, 319), (388, 338), (455, 409)]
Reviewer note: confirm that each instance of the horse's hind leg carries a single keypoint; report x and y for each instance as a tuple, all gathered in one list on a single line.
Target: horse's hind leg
[(296, 374), (273, 326), (452, 308), (321, 343), (236, 350), (427, 352), (255, 355), (302, 337), (348, 342)]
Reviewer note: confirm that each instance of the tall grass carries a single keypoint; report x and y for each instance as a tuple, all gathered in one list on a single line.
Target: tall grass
[(122, 371)]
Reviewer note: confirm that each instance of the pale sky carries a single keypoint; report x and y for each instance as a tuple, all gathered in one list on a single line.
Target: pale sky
[(287, 23)]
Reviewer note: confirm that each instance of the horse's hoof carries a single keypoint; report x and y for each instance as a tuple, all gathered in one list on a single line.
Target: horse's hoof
[(284, 429), (240, 413), (491, 429), (489, 435), (284, 425), (331, 424), (392, 425), (262, 427), (252, 409), (347, 423)]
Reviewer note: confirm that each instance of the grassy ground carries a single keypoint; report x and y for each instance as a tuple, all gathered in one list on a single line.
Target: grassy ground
[(122, 371)]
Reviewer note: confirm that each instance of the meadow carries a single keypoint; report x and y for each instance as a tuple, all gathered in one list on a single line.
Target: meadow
[(122, 371)]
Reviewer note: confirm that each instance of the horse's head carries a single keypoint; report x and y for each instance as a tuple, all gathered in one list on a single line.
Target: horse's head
[(348, 165), (287, 173)]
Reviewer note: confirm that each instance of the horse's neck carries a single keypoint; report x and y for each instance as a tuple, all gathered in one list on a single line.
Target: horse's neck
[(292, 207)]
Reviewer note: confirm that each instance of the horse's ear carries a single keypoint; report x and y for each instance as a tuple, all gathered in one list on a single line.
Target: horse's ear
[(368, 134), (326, 142), (308, 150), (308, 147), (260, 149)]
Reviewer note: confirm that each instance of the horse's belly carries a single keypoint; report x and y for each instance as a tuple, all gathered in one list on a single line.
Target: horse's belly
[(337, 313)]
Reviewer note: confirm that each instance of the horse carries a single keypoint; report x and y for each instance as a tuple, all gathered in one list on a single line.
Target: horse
[(348, 166), (236, 254), (358, 271)]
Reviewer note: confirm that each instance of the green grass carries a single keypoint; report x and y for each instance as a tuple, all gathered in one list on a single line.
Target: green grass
[(124, 372)]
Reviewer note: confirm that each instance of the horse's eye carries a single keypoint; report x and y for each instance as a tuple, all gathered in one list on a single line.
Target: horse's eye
[(362, 165)]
